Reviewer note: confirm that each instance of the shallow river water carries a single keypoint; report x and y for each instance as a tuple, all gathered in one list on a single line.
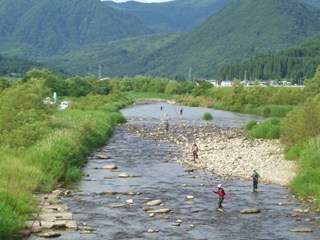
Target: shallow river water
[(156, 175)]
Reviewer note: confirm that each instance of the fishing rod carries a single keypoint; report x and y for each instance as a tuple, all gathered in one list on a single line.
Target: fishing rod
[(201, 164)]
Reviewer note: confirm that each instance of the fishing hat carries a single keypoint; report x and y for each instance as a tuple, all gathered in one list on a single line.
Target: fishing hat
[(219, 185)]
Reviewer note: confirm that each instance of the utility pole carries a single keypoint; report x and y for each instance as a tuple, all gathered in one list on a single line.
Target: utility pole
[(99, 73), (190, 74)]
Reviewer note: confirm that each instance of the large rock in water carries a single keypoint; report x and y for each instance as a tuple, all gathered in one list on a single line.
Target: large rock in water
[(154, 202), (109, 167), (159, 211), (301, 230), (250, 211)]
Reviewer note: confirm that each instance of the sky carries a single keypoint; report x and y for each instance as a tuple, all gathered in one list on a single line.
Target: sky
[(143, 1)]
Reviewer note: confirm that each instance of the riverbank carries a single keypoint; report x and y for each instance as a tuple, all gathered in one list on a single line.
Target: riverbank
[(225, 152)]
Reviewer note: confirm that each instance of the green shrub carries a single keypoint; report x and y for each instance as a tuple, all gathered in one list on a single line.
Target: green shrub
[(249, 108), (269, 129), (207, 116), (302, 123), (251, 124)]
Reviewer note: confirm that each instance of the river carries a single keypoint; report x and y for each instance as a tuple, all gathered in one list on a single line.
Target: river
[(154, 174)]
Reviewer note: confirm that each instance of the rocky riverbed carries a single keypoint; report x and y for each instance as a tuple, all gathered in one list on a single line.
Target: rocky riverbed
[(225, 151)]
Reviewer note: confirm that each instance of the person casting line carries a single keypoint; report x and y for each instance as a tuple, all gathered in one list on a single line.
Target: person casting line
[(221, 193)]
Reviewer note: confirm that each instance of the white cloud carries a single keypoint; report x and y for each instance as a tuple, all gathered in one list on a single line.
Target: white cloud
[(143, 1)]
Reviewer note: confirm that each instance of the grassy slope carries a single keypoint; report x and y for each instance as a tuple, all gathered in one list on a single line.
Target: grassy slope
[(58, 157)]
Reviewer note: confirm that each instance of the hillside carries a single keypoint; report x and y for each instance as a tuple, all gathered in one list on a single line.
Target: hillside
[(117, 58), (178, 15), (236, 33), (296, 64), (53, 26), (313, 2), (17, 67)]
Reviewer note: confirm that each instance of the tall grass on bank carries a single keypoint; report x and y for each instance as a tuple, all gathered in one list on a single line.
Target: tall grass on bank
[(306, 183), (269, 129), (55, 158)]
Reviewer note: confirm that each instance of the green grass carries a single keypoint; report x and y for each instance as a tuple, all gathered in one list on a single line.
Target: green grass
[(269, 129), (251, 124), (56, 158), (306, 183)]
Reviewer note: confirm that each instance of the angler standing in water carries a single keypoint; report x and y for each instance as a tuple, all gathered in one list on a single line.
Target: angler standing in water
[(221, 193), (255, 179), (166, 121), (195, 151)]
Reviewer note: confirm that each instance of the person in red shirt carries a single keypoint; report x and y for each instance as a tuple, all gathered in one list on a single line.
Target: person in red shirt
[(221, 193)]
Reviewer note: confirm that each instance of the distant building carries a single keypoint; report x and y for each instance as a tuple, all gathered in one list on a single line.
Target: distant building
[(227, 83), (285, 83), (213, 82), (264, 83), (272, 82)]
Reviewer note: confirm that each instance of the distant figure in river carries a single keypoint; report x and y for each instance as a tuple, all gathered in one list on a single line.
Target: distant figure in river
[(195, 151), (255, 179), (161, 108), (166, 122), (221, 193), (181, 111)]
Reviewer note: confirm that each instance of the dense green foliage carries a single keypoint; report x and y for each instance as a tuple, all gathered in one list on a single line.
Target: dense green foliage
[(260, 100), (40, 146), (23, 114), (306, 183), (16, 67), (294, 64), (72, 86), (269, 129), (178, 15)]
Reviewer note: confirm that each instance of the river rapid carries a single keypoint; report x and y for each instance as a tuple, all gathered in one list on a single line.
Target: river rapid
[(114, 202)]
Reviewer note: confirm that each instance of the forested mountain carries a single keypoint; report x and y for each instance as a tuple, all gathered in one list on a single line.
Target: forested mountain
[(54, 26), (178, 15), (296, 63), (241, 30), (117, 58), (80, 35), (313, 2), (16, 67)]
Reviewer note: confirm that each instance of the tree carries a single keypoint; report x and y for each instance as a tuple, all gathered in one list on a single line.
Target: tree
[(172, 87), (202, 88), (23, 115), (312, 87)]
